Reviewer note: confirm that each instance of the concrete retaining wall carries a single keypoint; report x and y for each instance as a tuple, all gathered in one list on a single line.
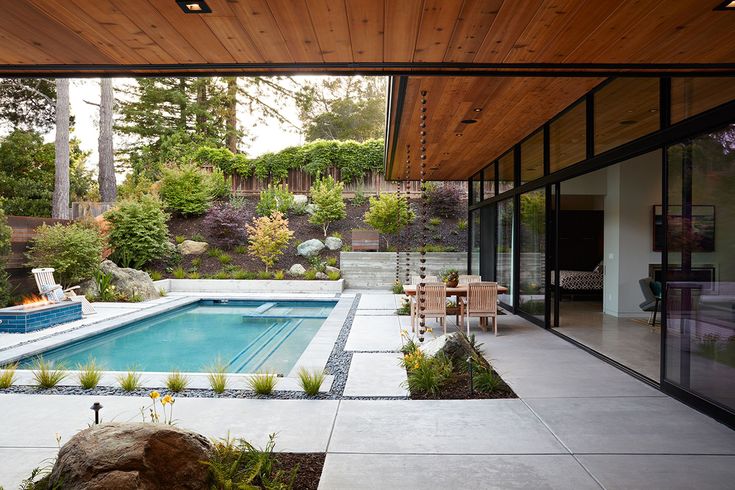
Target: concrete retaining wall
[(377, 270), (248, 286)]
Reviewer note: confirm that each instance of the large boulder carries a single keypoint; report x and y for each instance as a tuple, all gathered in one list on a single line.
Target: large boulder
[(310, 248), (132, 456), (333, 243), (190, 247), (456, 347), (297, 270), (300, 199), (128, 282)]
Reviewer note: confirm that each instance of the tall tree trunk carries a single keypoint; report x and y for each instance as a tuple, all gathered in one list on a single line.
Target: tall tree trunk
[(231, 122), (106, 175), (60, 203)]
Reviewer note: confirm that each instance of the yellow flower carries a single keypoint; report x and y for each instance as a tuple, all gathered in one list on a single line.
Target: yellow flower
[(167, 399), (155, 395)]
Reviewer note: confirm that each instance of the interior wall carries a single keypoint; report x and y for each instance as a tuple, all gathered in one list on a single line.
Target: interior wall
[(633, 188)]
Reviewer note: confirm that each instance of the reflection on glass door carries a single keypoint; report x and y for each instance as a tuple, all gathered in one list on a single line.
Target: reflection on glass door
[(504, 250), (532, 240), (700, 280)]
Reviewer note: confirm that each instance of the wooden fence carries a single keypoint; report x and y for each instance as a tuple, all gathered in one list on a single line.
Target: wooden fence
[(299, 182), (24, 230)]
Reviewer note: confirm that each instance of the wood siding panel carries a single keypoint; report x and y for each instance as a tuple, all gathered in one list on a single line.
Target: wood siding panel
[(257, 20), (438, 18), (294, 21), (366, 29), (329, 19), (473, 24), (402, 19)]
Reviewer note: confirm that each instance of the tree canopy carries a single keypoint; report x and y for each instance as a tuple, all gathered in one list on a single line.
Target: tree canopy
[(28, 103)]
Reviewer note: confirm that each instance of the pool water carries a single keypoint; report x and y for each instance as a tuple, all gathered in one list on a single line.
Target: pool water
[(249, 336)]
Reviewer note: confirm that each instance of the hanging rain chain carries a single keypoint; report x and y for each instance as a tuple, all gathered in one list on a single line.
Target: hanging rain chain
[(422, 268), (406, 177), (398, 250)]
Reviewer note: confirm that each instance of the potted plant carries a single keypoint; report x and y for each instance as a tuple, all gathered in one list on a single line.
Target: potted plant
[(450, 277)]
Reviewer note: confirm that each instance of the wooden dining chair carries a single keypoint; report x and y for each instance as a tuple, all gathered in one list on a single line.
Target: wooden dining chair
[(435, 302), (482, 302), (415, 281), (464, 279), (468, 278)]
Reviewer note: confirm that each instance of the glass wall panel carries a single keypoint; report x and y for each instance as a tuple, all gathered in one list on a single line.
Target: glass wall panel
[(690, 96), (504, 250), (477, 187), (567, 138), (475, 243), (532, 157), (625, 109), (700, 291), (488, 181), (532, 242), (506, 172)]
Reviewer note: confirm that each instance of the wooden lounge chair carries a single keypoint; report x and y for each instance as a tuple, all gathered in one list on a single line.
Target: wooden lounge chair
[(434, 296), (49, 288), (415, 280), (482, 302)]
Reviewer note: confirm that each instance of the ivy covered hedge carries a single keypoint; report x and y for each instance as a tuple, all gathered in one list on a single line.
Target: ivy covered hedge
[(353, 159)]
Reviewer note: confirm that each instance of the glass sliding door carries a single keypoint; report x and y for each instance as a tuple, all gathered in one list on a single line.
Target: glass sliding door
[(700, 278), (504, 250), (532, 242), (475, 234)]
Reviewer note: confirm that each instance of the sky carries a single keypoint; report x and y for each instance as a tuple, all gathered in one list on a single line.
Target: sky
[(268, 137)]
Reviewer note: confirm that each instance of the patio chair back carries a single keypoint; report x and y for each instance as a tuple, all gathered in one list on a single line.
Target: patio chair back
[(435, 299), (415, 280), (44, 278), (466, 279), (482, 299)]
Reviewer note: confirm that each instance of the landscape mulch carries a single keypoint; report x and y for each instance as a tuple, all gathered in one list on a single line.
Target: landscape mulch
[(310, 468), (458, 388)]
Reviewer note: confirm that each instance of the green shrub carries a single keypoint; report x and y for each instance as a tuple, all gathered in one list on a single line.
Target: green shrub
[(104, 286), (334, 275), (189, 191), (429, 375), (462, 224), (326, 194), (89, 374), (217, 376), (331, 261), (193, 275), (397, 287), (268, 236), (5, 232), (310, 274), (179, 273), (73, 250), (486, 381), (389, 214), (177, 382), (130, 381), (46, 375), (275, 198), (264, 275), (336, 234), (180, 238), (263, 383), (196, 262), (241, 249), (435, 222), (224, 259), (359, 199), (279, 275), (138, 232), (155, 275), (7, 376), (311, 381)]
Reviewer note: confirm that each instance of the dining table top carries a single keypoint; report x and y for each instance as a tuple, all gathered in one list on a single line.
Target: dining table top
[(459, 290)]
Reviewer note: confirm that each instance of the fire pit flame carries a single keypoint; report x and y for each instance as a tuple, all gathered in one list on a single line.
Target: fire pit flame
[(34, 301)]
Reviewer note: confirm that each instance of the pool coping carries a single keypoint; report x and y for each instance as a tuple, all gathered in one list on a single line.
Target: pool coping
[(315, 356)]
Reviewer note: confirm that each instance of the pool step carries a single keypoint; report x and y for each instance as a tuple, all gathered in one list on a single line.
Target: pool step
[(262, 348), (263, 308)]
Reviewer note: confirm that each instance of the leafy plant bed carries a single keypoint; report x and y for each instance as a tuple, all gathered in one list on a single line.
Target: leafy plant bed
[(442, 371)]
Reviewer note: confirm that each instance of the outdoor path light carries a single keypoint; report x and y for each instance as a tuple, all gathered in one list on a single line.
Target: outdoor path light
[(96, 406)]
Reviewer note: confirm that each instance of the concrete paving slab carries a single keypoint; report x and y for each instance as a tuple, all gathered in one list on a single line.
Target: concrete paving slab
[(440, 427), (375, 312), (16, 464), (383, 471), (377, 302), (374, 333), (376, 374), (302, 425), (632, 425), (672, 472)]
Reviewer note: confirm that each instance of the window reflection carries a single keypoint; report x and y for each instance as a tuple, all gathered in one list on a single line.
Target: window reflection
[(567, 138), (625, 109), (532, 157)]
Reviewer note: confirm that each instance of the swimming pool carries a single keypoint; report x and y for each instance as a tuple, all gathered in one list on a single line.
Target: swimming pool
[(249, 336)]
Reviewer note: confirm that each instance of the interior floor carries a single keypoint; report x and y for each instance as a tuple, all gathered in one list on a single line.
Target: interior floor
[(629, 341)]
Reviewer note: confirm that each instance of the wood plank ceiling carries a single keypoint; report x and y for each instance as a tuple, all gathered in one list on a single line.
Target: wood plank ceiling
[(126, 36)]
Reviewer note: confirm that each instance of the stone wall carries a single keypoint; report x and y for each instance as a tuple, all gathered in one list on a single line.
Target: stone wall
[(377, 270)]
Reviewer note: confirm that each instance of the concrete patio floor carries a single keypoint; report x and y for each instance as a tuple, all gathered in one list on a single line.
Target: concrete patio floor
[(579, 422)]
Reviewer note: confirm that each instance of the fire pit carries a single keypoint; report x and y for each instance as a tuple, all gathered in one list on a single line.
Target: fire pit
[(38, 313)]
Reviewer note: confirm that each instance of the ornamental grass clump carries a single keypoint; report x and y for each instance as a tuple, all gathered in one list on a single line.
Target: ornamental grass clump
[(130, 381), (217, 376), (311, 381), (89, 374), (268, 237), (7, 376), (487, 381), (263, 383), (177, 382), (46, 374), (427, 375)]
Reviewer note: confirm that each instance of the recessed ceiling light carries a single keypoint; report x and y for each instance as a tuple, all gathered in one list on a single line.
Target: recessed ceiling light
[(457, 134), (469, 121), (477, 109), (728, 5), (194, 6), (627, 122)]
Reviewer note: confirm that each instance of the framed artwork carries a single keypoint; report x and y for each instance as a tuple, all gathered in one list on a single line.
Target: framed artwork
[(700, 234)]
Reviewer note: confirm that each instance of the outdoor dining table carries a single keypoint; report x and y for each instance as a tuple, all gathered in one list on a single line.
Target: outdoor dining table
[(459, 290)]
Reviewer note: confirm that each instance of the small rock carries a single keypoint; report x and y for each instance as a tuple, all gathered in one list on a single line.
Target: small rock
[(333, 243), (300, 199), (331, 269), (310, 248), (322, 276), (297, 270), (128, 456), (190, 247)]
